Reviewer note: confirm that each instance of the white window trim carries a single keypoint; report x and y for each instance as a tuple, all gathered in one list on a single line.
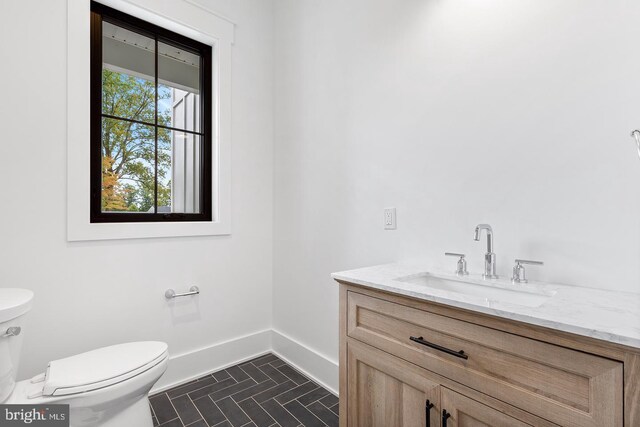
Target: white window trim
[(183, 17)]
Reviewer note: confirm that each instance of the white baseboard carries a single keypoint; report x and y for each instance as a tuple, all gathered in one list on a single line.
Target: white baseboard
[(318, 367), (197, 363)]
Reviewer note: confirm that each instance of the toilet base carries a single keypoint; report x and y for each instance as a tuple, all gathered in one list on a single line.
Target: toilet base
[(136, 415)]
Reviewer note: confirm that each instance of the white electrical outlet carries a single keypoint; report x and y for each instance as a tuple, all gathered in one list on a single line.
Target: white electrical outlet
[(389, 218)]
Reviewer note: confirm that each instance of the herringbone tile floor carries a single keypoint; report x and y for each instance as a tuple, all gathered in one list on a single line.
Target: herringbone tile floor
[(263, 392)]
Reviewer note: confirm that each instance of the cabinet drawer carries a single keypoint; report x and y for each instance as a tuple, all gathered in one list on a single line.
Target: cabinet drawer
[(564, 386)]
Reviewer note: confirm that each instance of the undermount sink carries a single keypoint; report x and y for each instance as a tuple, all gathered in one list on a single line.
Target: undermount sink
[(480, 291)]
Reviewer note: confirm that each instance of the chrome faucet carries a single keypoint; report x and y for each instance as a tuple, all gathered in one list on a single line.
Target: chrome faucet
[(489, 257)]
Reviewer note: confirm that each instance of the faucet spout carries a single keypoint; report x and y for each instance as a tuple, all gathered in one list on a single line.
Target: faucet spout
[(489, 257), (478, 232)]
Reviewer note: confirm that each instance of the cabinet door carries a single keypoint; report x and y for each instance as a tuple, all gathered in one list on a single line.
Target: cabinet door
[(386, 391), (465, 412)]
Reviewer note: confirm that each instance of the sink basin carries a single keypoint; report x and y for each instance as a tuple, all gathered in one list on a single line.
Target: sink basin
[(479, 291)]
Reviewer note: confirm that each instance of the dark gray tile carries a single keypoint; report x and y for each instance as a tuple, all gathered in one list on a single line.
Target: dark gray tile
[(237, 373), (335, 409), (255, 389), (329, 400), (281, 415), (303, 415), (295, 392), (162, 408), (173, 423), (254, 372), (267, 358), (189, 387), (274, 391), (327, 416), (186, 410), (154, 420), (226, 392), (259, 386), (209, 410), (258, 415), (232, 411), (211, 388), (220, 375), (312, 396), (292, 374), (277, 363), (273, 373)]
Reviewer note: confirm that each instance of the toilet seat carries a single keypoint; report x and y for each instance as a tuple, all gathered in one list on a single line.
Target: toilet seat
[(102, 367)]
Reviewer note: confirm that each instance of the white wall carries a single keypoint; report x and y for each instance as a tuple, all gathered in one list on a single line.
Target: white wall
[(456, 112), (99, 293)]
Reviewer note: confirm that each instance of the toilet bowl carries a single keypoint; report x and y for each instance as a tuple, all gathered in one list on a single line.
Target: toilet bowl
[(107, 387)]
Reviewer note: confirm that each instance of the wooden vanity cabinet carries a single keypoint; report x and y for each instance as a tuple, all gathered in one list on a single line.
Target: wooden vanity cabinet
[(406, 362)]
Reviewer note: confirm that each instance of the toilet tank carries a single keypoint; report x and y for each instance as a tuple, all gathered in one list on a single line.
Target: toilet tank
[(14, 304)]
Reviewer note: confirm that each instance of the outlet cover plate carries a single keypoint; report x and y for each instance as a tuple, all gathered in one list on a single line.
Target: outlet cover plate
[(389, 218)]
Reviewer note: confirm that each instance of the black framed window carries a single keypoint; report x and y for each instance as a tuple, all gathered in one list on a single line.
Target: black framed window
[(151, 126)]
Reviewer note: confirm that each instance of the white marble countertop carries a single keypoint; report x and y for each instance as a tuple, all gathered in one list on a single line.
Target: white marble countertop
[(606, 315)]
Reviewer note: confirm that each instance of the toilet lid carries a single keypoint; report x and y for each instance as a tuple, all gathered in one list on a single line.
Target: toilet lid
[(102, 367)]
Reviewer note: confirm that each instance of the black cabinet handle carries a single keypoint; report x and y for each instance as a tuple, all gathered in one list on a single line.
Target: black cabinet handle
[(427, 410), (461, 354), (445, 416)]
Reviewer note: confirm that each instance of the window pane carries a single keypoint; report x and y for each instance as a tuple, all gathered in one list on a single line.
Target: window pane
[(178, 88), (128, 74), (128, 166), (184, 155)]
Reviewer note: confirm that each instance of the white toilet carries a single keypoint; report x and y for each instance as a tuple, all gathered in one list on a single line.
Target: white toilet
[(107, 387)]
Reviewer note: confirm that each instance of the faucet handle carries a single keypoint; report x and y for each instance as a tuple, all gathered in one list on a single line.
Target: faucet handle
[(519, 273), (461, 267), (527, 261), (455, 254)]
